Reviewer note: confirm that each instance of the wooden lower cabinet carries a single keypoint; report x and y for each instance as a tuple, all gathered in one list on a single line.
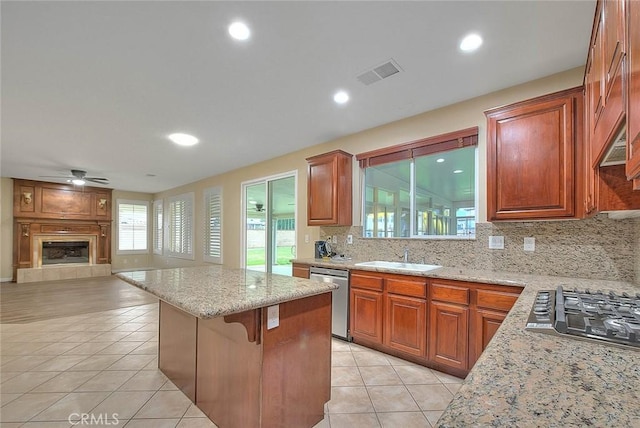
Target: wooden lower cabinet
[(449, 335), (300, 270), (439, 323), (485, 324), (405, 325), (366, 311)]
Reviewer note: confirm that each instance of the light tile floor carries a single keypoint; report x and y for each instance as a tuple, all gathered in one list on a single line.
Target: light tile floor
[(103, 367)]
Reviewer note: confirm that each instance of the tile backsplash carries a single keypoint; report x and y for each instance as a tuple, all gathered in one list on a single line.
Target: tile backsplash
[(597, 248), (637, 252)]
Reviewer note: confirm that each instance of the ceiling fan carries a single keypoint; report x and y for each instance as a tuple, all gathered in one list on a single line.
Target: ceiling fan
[(79, 177)]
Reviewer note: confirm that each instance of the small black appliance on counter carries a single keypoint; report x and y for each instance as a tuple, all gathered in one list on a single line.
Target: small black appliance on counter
[(322, 249)]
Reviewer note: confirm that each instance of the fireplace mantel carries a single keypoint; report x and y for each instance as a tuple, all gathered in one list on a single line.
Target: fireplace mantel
[(48, 210)]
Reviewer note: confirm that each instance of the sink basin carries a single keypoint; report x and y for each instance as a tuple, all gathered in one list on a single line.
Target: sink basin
[(415, 267)]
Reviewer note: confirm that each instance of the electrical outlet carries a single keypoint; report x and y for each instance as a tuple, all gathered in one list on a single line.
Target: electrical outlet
[(334, 239), (349, 239), (306, 238), (529, 244), (496, 242)]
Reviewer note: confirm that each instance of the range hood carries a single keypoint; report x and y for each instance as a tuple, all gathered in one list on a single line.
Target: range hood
[(617, 153)]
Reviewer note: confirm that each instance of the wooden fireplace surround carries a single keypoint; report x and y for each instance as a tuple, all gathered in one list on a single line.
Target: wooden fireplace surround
[(42, 208)]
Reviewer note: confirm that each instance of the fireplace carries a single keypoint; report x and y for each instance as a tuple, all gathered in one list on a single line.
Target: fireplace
[(61, 231), (55, 250), (64, 252)]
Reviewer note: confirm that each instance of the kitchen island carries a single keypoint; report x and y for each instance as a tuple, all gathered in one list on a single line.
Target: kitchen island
[(529, 379), (248, 348)]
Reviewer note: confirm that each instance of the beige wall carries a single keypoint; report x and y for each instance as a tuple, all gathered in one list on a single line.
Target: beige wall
[(451, 118), (6, 229)]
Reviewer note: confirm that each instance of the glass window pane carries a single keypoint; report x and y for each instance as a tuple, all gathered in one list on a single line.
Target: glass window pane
[(387, 200), (445, 193), (444, 196)]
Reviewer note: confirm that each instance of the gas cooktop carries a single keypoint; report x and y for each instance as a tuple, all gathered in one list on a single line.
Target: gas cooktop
[(607, 317)]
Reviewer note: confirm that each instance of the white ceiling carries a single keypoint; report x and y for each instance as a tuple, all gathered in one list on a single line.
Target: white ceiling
[(98, 85)]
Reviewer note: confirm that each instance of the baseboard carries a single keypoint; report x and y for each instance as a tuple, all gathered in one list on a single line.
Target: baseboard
[(6, 279)]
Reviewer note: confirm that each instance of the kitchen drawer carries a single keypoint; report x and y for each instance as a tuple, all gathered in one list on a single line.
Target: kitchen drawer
[(362, 280), (407, 287), (449, 293), (496, 300)]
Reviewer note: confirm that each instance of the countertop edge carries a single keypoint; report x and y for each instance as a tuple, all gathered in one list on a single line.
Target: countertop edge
[(213, 310)]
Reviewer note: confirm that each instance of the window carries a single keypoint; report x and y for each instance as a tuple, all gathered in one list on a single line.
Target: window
[(158, 227), (132, 226), (421, 189), (179, 240), (213, 225)]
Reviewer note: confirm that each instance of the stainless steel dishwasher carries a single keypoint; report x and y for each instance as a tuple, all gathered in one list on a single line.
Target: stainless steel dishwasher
[(340, 303)]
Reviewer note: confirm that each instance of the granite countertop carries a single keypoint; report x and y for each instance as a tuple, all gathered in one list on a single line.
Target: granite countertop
[(213, 291), (528, 379)]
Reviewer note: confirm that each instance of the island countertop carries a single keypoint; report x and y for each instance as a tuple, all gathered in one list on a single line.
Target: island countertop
[(213, 291), (525, 378)]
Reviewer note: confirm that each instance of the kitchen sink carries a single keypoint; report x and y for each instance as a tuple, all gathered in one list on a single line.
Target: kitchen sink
[(415, 267)]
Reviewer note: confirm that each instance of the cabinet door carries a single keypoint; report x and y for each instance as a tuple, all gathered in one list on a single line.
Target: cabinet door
[(449, 335), (633, 94), (365, 312), (531, 158), (485, 325), (405, 324), (329, 189)]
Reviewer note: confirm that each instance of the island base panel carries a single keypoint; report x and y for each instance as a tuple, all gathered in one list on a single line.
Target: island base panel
[(296, 367), (177, 348), (282, 380), (229, 365)]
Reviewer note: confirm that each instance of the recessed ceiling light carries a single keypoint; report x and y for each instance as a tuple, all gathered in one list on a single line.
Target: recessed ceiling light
[(457, 171), (341, 97), (183, 139), (440, 160), (470, 43), (239, 31)]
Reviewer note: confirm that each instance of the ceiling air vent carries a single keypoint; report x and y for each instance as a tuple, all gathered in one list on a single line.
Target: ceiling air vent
[(617, 153), (379, 72)]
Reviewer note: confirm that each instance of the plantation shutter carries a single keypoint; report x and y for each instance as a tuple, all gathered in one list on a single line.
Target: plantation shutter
[(158, 227), (180, 224), (213, 225)]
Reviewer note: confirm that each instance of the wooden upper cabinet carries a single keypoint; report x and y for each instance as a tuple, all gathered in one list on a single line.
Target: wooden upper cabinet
[(633, 94), (329, 189), (605, 77), (533, 149)]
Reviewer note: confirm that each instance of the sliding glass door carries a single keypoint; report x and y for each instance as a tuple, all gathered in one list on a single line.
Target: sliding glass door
[(269, 224)]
